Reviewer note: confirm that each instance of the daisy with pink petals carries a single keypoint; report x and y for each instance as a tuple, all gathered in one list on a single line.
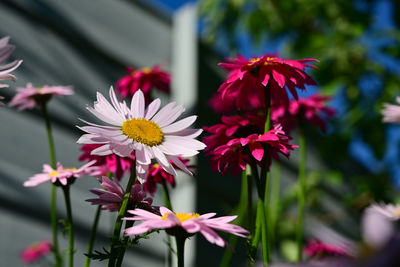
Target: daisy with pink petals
[(144, 79), (391, 113), (62, 176), (190, 222), (276, 139), (111, 196), (29, 97), (5, 70), (35, 251), (248, 79), (149, 132)]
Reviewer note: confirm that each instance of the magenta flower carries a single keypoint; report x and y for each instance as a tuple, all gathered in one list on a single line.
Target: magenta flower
[(62, 176), (112, 195), (276, 140), (108, 163), (35, 251), (29, 97), (312, 110), (320, 249), (5, 70), (391, 113), (238, 152), (248, 78), (190, 222), (144, 79)]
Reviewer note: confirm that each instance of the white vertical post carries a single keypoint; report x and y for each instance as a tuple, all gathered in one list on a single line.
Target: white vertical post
[(184, 91)]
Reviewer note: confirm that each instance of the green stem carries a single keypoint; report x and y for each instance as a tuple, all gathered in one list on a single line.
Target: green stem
[(70, 226), (241, 210), (301, 193), (124, 242), (167, 199), (121, 214), (275, 192), (180, 250), (93, 232), (53, 207), (168, 204), (92, 236)]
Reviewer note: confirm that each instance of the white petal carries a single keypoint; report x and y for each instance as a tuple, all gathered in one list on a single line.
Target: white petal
[(179, 125), (180, 164), (163, 161), (152, 108), (137, 104)]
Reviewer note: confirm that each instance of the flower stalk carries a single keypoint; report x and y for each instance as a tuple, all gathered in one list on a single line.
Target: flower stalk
[(180, 250), (70, 226), (53, 207), (92, 236), (301, 193), (121, 214)]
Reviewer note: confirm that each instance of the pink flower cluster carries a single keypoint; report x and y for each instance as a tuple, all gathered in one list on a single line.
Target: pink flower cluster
[(35, 251), (248, 79), (239, 140)]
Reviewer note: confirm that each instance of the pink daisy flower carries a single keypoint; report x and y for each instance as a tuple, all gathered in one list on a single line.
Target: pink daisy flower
[(248, 78), (35, 251), (144, 79), (391, 113), (29, 97), (61, 175), (5, 70), (190, 222), (112, 196), (233, 127), (318, 248), (237, 152), (149, 132), (276, 140), (109, 163), (312, 110), (389, 211)]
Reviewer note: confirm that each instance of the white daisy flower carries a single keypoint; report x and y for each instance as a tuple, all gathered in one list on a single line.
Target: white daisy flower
[(148, 132)]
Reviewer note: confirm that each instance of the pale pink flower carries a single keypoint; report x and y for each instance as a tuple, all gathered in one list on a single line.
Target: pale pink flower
[(191, 222), (149, 132), (389, 211), (5, 52), (35, 251), (62, 175), (112, 196), (29, 97), (391, 113)]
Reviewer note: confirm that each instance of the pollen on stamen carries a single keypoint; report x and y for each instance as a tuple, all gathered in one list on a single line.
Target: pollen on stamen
[(182, 216), (143, 131)]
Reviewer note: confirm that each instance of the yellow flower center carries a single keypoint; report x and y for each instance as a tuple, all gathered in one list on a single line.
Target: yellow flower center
[(55, 173), (257, 59), (143, 131), (144, 70), (181, 216)]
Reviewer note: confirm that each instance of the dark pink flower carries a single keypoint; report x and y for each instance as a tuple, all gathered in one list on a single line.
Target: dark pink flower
[(320, 249), (276, 139), (112, 196), (233, 127), (35, 251), (109, 163), (144, 79), (312, 110), (248, 78)]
